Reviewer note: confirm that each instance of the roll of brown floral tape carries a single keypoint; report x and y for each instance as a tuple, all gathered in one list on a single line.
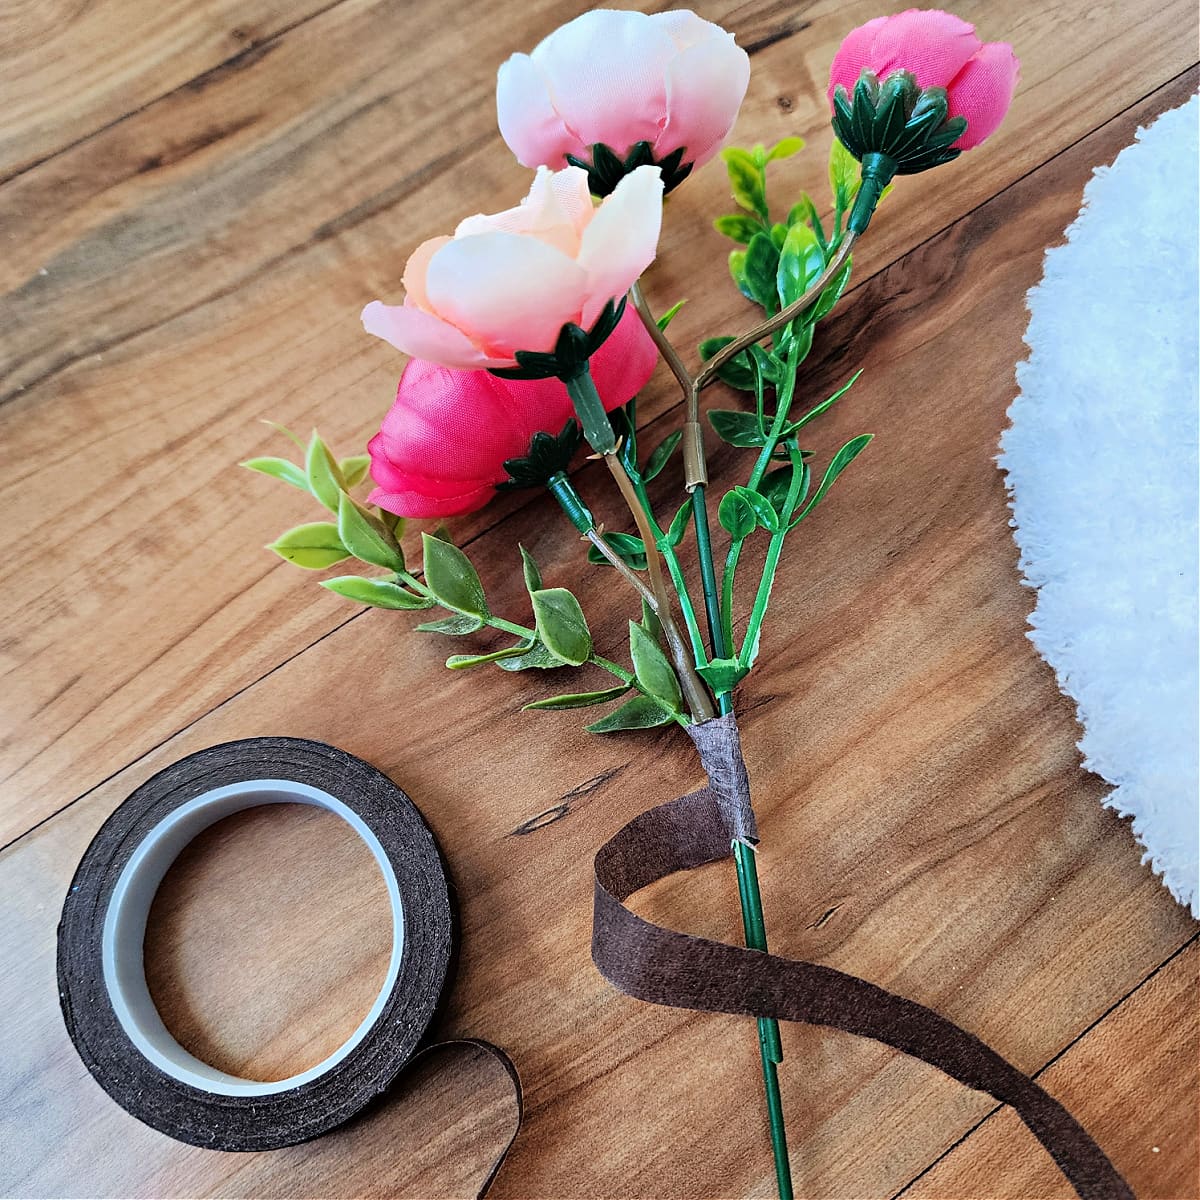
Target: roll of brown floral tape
[(107, 1006)]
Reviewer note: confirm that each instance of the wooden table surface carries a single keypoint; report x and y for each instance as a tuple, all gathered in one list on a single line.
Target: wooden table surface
[(196, 198)]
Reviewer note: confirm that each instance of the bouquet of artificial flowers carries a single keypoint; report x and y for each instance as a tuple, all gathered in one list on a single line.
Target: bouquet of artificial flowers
[(529, 336)]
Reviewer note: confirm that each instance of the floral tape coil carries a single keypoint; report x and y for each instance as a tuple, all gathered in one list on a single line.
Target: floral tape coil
[(106, 1004)]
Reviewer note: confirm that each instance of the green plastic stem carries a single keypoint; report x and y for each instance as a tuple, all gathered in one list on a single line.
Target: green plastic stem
[(769, 1044), (877, 172), (597, 428)]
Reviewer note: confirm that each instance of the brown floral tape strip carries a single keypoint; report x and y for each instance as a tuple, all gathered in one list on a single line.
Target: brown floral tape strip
[(663, 966)]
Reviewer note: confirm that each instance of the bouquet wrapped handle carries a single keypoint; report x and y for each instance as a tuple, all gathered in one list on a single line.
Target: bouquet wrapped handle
[(664, 966)]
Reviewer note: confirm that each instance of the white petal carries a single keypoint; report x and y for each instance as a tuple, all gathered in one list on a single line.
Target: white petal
[(622, 239), (534, 131), (506, 291), (705, 88), (423, 335), (606, 72)]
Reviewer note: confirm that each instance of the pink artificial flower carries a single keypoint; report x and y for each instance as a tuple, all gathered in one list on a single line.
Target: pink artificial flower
[(670, 79), (939, 50), (441, 449), (512, 280)]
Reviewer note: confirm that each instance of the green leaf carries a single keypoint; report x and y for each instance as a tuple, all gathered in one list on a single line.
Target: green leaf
[(737, 371), (314, 546), (454, 626), (745, 180), (581, 699), (785, 148), (779, 234), (737, 226), (538, 656), (639, 713), (378, 593), (801, 262), (279, 468), (461, 662), (392, 522), (741, 428), (287, 433), (533, 576), (629, 549), (765, 514), (736, 516), (737, 269), (561, 625), (762, 267), (653, 671), (774, 488), (451, 578), (651, 623), (723, 674), (844, 175), (805, 210), (321, 469), (841, 460), (661, 455), (365, 536), (670, 315), (679, 525), (354, 469), (813, 413), (832, 292)]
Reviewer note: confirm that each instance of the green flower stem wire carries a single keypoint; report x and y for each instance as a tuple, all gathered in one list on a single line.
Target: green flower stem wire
[(527, 634), (749, 894), (590, 409)]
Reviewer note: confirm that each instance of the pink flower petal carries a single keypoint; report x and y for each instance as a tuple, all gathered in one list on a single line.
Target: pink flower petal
[(556, 211), (983, 90), (706, 84), (528, 120), (854, 55), (930, 44), (507, 291), (429, 498), (622, 239), (423, 335)]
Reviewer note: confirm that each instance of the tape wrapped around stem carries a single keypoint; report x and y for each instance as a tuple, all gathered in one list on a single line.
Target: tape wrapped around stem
[(663, 966), (106, 1004)]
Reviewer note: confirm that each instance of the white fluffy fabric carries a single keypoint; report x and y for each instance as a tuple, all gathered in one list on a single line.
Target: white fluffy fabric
[(1101, 462)]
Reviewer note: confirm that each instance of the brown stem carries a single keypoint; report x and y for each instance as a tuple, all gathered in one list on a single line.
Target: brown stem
[(763, 328), (693, 688), (623, 569), (669, 354)]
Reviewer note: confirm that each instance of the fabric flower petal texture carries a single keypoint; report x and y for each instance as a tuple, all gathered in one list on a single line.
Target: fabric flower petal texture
[(510, 281), (671, 80), (939, 50), (443, 444)]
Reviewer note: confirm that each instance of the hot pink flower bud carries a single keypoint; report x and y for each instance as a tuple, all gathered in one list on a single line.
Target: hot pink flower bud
[(939, 50)]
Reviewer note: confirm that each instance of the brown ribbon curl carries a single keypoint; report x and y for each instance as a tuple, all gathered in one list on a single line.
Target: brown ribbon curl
[(663, 966)]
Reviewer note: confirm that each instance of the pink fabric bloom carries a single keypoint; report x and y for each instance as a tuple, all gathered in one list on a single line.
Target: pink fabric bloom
[(670, 79), (939, 50), (512, 280), (441, 449)]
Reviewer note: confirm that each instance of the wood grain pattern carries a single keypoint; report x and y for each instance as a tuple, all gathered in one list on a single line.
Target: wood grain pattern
[(200, 264), (926, 824), (1154, 1126), (188, 253)]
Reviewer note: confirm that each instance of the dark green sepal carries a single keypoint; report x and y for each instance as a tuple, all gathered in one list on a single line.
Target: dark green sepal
[(893, 128), (548, 457), (607, 168), (574, 347)]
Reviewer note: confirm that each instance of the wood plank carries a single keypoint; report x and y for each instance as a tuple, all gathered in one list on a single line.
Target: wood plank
[(73, 66), (1149, 1117), (926, 824), (168, 294)]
